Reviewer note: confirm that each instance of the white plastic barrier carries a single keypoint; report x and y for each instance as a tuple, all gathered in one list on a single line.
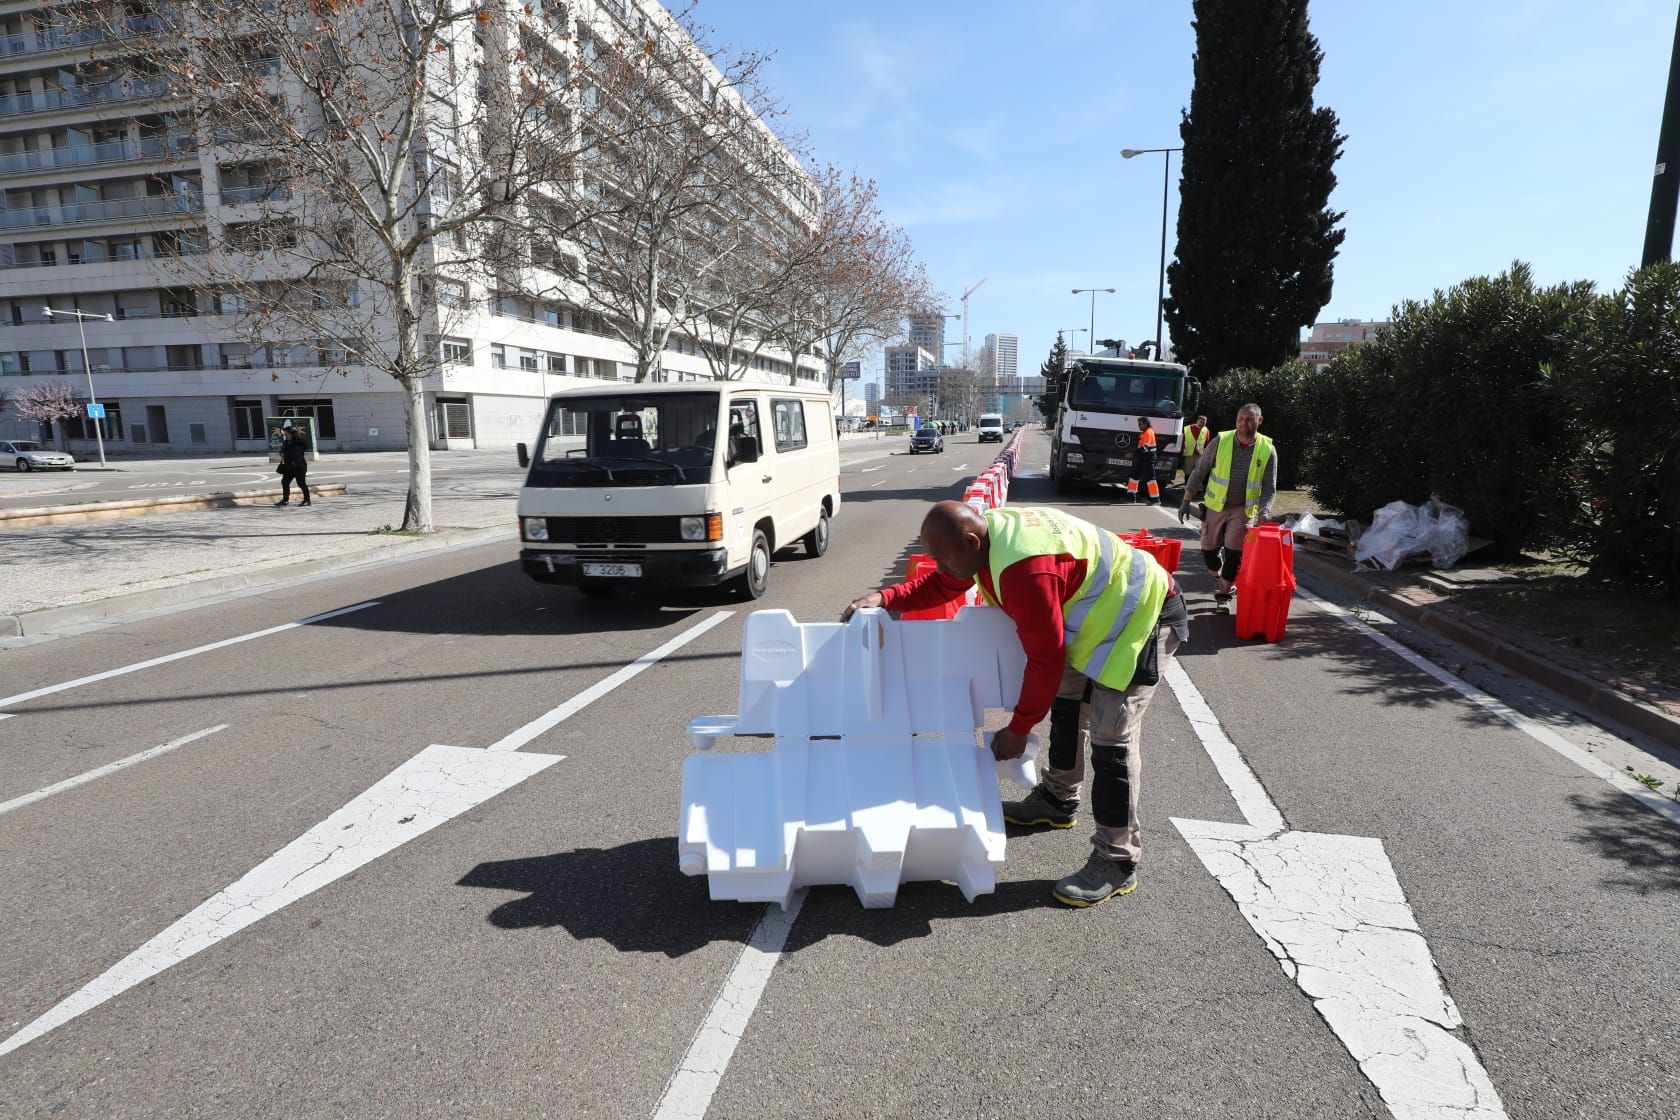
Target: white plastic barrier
[(877, 776)]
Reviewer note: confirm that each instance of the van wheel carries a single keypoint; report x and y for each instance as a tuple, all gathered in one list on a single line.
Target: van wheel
[(816, 541), (751, 583)]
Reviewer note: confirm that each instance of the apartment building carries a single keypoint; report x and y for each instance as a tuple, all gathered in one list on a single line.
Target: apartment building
[(912, 375), (106, 197), (927, 330), (1002, 355), (1326, 340)]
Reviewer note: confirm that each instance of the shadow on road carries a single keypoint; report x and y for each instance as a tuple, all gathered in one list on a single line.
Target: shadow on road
[(634, 898), (1643, 847)]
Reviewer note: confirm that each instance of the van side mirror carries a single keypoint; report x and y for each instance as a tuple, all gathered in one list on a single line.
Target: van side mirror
[(744, 449), (524, 455)]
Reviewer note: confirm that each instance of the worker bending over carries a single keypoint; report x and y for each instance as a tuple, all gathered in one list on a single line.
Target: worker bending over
[(1251, 458)]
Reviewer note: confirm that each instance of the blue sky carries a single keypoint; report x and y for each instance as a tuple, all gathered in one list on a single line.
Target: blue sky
[(1477, 133)]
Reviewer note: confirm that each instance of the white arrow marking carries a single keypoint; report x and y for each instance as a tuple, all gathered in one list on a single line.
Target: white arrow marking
[(434, 786), (110, 768), (1331, 909)]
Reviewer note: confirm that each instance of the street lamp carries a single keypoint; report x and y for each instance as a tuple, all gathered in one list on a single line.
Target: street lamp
[(1069, 330), (1091, 334), (1161, 282), (87, 367)]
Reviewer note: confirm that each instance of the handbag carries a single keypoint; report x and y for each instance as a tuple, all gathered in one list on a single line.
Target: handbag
[(280, 468)]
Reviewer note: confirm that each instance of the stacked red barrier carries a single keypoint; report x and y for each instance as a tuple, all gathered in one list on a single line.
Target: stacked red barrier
[(1166, 550), (1266, 582)]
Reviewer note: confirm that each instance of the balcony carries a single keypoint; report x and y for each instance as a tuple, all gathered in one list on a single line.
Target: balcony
[(57, 38), (8, 259), (244, 196), (76, 97), (87, 155), (118, 209)]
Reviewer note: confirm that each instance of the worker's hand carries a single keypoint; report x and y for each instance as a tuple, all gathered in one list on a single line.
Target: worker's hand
[(1183, 513), (1007, 744), (862, 602)]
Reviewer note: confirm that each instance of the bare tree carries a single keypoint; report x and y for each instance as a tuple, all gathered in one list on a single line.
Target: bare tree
[(676, 210), (48, 402), (855, 279), (367, 152)]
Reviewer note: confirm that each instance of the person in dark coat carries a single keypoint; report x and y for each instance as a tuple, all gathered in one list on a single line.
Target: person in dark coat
[(294, 463)]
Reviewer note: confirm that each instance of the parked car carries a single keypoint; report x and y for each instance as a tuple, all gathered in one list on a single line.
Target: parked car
[(926, 439), (27, 455)]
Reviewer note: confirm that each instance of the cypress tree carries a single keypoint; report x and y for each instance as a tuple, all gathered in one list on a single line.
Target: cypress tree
[(1053, 370), (1256, 235)]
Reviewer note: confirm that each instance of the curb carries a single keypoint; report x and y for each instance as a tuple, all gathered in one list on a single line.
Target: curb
[(48, 620), (1618, 705), (183, 503)]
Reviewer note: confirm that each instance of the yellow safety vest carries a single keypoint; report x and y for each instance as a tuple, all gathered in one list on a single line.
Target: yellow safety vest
[(1109, 617), (1196, 442), (1219, 478)]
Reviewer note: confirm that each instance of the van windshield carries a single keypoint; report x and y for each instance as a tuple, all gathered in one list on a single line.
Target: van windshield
[(628, 439)]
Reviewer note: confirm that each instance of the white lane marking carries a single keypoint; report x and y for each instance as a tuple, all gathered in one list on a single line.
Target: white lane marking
[(688, 1094), (8, 701), (1542, 734), (434, 786), (866, 470), (964, 467), (516, 739), (1332, 911), (872, 485), (5, 715), (92, 775), (1251, 797)]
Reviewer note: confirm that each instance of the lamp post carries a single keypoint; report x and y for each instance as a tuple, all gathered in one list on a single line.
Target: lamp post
[(1091, 333), (87, 367), (1161, 279), (1070, 331)]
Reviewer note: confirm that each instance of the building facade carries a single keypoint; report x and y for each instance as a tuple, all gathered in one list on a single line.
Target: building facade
[(912, 376), (106, 194), (1003, 355), (1326, 340), (927, 330)]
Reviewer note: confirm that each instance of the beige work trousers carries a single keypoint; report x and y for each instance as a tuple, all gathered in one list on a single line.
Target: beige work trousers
[(1111, 717), (1224, 528)]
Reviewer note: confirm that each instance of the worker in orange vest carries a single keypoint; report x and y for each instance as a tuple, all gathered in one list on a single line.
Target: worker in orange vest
[(1143, 464)]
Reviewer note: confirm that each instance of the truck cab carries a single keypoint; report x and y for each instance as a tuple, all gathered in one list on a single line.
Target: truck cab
[(687, 485), (1096, 427)]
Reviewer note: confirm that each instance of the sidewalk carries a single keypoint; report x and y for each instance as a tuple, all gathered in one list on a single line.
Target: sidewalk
[(1451, 612), (79, 563)]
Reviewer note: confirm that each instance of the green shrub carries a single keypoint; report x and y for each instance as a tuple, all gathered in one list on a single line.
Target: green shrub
[(1450, 402), (1617, 387)]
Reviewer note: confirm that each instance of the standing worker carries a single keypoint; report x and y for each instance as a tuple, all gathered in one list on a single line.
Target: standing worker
[(1097, 619), (1143, 464), (1195, 442), (294, 464), (1250, 457)]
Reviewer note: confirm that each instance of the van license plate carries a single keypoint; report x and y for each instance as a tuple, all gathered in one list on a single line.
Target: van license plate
[(610, 571)]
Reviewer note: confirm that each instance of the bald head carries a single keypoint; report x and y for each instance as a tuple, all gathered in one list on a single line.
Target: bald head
[(955, 535)]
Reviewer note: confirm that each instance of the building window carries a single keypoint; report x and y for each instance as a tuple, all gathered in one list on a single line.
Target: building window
[(451, 293), (457, 352), (321, 411), (789, 417), (247, 419), (498, 356)]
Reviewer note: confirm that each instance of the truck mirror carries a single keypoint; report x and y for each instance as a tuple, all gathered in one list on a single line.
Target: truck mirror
[(743, 449), (1192, 397), (524, 456)]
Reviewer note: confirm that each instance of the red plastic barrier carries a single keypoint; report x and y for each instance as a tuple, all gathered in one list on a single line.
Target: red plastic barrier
[(1266, 582), (920, 563), (1166, 550)]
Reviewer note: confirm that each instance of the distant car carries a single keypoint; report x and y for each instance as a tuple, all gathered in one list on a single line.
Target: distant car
[(27, 455), (926, 439)]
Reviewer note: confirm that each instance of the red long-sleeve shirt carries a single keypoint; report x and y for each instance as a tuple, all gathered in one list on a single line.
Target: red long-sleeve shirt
[(1033, 589)]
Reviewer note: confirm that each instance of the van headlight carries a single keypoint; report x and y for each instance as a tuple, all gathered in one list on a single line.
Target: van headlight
[(534, 528), (708, 527)]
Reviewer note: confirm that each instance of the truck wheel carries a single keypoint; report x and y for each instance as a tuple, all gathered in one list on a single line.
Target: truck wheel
[(1064, 483), (816, 541), (752, 583)]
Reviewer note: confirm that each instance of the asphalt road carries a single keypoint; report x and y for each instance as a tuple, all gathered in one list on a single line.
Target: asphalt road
[(541, 954)]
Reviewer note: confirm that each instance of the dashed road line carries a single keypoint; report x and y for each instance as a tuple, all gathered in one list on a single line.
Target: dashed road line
[(111, 768)]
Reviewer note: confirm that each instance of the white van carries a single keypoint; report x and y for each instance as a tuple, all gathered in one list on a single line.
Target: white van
[(677, 485), (991, 426)]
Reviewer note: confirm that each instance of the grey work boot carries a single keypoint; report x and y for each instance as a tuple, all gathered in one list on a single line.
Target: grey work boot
[(1040, 808), (1098, 881)]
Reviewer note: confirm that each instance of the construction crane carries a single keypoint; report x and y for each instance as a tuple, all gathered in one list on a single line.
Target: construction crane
[(972, 289)]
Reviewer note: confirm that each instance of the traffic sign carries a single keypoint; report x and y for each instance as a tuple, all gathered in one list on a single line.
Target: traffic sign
[(96, 412), (850, 371)]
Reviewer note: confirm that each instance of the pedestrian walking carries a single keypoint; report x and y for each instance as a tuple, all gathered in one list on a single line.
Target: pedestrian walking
[(1143, 464), (1251, 459), (1195, 442), (1099, 621), (294, 463)]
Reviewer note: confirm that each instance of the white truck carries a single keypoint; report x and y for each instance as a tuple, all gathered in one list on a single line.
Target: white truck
[(1096, 426)]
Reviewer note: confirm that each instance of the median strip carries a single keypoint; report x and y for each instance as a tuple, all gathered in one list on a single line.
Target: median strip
[(133, 507)]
